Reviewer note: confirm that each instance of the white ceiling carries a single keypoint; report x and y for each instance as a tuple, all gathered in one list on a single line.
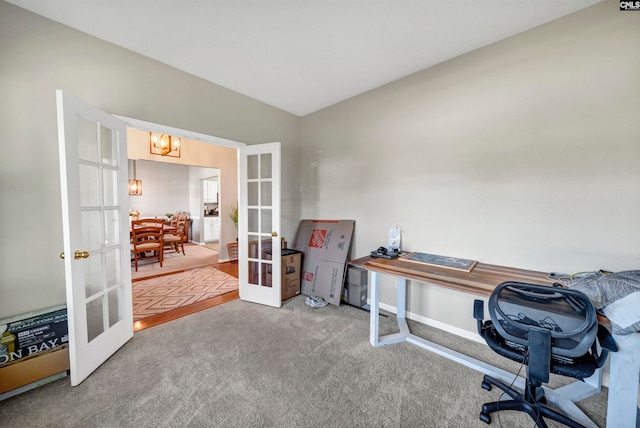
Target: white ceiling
[(302, 55)]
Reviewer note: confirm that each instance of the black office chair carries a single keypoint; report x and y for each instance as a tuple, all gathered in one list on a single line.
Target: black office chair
[(551, 330)]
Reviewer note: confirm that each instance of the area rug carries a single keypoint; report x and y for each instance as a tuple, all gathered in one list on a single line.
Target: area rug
[(195, 256), (161, 294)]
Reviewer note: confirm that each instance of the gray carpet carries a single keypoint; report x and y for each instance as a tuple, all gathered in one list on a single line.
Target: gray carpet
[(246, 365)]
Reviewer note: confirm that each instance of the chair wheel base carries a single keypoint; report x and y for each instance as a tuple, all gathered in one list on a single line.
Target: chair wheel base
[(485, 417), (486, 385)]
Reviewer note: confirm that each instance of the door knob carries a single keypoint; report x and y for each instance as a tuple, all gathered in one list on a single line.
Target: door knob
[(62, 255), (80, 254), (274, 234)]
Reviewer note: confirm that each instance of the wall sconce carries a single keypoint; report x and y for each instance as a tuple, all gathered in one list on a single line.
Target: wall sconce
[(135, 185), (164, 145)]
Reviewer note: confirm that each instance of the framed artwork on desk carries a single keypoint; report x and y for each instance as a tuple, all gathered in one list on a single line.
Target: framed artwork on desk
[(440, 261)]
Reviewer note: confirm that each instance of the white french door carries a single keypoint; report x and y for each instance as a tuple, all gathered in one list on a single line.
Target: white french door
[(93, 176), (259, 240)]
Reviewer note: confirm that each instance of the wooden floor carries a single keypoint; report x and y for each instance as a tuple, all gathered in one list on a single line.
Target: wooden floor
[(230, 268)]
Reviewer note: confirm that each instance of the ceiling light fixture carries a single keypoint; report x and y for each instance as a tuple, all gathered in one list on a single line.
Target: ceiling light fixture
[(164, 145), (135, 185)]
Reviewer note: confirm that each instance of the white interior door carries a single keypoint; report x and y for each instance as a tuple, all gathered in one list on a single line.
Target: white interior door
[(93, 176), (259, 240)]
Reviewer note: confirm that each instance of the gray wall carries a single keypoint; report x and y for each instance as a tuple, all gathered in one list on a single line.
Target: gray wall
[(39, 56), (171, 188), (165, 188), (524, 153)]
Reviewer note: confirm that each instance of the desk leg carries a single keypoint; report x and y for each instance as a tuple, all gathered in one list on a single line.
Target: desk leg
[(622, 401), (401, 305), (374, 303)]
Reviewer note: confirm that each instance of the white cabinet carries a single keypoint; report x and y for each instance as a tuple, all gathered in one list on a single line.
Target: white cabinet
[(211, 229), (210, 192), (215, 229)]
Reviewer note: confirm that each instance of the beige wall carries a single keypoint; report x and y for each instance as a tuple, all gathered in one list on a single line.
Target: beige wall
[(524, 153), (38, 56)]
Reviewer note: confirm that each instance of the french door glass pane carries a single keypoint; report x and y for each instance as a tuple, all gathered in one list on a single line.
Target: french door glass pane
[(252, 167), (254, 268), (110, 187), (252, 193), (91, 238), (88, 185), (265, 215), (253, 220), (109, 146), (115, 314), (265, 195), (87, 140), (95, 325), (265, 165), (112, 267), (266, 269), (265, 247), (253, 246), (92, 274), (111, 228)]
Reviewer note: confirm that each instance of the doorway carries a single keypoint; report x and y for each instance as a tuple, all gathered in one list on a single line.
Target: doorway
[(251, 176), (103, 163), (173, 185)]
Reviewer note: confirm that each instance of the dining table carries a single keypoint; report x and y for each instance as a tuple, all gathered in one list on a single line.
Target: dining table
[(167, 228)]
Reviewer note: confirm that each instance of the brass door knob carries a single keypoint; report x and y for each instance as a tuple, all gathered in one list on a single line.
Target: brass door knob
[(80, 254), (274, 234), (62, 255)]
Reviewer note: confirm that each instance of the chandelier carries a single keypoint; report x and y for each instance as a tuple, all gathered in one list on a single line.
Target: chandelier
[(164, 145), (135, 185)]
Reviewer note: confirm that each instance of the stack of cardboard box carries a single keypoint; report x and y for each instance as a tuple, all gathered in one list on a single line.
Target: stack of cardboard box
[(33, 348), (325, 245), (290, 273)]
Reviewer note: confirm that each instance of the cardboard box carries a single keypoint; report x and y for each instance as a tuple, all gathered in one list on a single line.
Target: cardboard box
[(36, 368), (325, 245), (290, 273), (327, 240), (32, 334), (323, 279)]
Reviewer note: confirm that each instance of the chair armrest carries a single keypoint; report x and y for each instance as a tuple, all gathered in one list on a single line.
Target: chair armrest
[(606, 340), (607, 343), (478, 313)]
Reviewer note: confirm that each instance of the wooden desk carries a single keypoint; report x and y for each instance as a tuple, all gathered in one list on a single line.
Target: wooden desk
[(481, 280), (625, 364)]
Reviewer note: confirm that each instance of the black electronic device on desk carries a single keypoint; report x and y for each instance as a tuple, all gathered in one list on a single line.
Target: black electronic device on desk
[(385, 253)]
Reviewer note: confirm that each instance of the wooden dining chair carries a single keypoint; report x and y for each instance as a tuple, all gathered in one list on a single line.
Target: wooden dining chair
[(147, 237), (176, 238)]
